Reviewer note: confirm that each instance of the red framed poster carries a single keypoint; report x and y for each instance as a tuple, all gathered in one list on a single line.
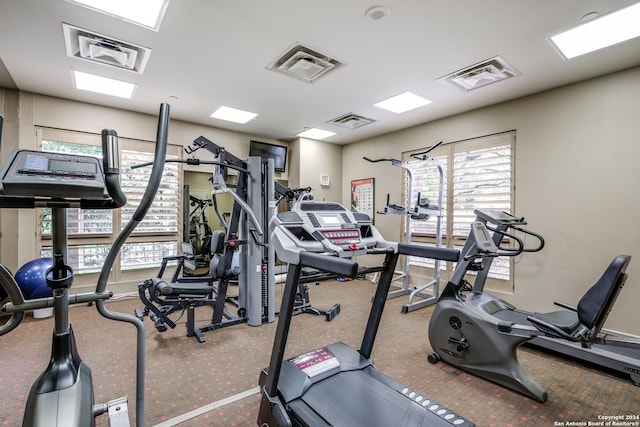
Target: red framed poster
[(362, 196)]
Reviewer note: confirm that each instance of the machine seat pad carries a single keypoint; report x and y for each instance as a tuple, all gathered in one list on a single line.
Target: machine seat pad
[(565, 320), (178, 289)]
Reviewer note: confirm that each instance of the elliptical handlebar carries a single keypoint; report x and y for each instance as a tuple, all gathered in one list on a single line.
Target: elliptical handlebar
[(111, 166), (148, 196), (145, 203)]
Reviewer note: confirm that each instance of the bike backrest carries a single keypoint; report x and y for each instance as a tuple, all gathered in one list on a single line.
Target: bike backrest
[(594, 307)]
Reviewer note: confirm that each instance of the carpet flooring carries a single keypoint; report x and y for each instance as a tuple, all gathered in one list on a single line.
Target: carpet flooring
[(214, 383)]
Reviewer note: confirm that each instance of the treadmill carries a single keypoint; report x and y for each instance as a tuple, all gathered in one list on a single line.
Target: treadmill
[(621, 356), (336, 385)]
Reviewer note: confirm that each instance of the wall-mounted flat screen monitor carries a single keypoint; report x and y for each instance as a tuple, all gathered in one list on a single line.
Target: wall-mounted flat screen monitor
[(270, 151)]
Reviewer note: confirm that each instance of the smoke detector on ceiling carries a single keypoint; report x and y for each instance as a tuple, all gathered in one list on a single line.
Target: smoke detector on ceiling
[(481, 74), (351, 121), (377, 13), (304, 63), (94, 47)]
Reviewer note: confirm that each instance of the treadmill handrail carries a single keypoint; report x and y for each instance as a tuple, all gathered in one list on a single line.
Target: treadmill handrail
[(332, 264), (425, 251)]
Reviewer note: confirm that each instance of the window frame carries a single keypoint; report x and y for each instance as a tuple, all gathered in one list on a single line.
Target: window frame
[(118, 274), (449, 239)]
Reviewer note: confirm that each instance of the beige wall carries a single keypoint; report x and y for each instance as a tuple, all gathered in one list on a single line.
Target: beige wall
[(15, 240), (577, 179), (200, 186), (311, 159)]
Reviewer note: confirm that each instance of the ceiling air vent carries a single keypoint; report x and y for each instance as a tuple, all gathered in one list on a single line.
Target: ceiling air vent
[(304, 63), (351, 121), (481, 74), (84, 44)]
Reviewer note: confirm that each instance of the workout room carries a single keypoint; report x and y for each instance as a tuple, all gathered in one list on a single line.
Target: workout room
[(339, 213)]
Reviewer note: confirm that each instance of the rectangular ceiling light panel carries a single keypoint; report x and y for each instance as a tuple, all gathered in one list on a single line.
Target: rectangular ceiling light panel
[(233, 115), (315, 133), (94, 47), (147, 13), (608, 30), (103, 85), (401, 103)]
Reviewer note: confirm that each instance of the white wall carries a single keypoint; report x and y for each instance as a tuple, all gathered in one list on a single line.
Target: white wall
[(577, 179)]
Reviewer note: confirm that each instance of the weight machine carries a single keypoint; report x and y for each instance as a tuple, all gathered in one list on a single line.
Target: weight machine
[(421, 211), (243, 242)]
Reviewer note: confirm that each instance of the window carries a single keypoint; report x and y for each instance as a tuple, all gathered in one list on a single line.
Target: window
[(79, 221), (91, 232), (161, 220), (478, 175)]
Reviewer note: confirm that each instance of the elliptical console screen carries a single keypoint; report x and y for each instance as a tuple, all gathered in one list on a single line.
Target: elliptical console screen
[(45, 166), (44, 174)]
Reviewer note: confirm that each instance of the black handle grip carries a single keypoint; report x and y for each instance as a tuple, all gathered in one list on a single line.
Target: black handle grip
[(534, 234), (425, 251), (110, 164), (341, 266), (110, 161), (509, 252)]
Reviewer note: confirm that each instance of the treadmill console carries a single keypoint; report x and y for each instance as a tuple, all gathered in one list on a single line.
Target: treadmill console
[(327, 227), (43, 174)]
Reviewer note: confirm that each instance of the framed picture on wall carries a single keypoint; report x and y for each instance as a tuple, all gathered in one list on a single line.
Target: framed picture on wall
[(362, 192)]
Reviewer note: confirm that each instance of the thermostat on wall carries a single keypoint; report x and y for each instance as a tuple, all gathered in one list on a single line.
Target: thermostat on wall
[(325, 180)]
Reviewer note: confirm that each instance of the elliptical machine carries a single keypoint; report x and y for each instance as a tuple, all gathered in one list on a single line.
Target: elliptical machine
[(63, 394), (480, 333)]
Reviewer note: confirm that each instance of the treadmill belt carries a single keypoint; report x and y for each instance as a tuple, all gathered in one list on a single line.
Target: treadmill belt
[(354, 398)]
